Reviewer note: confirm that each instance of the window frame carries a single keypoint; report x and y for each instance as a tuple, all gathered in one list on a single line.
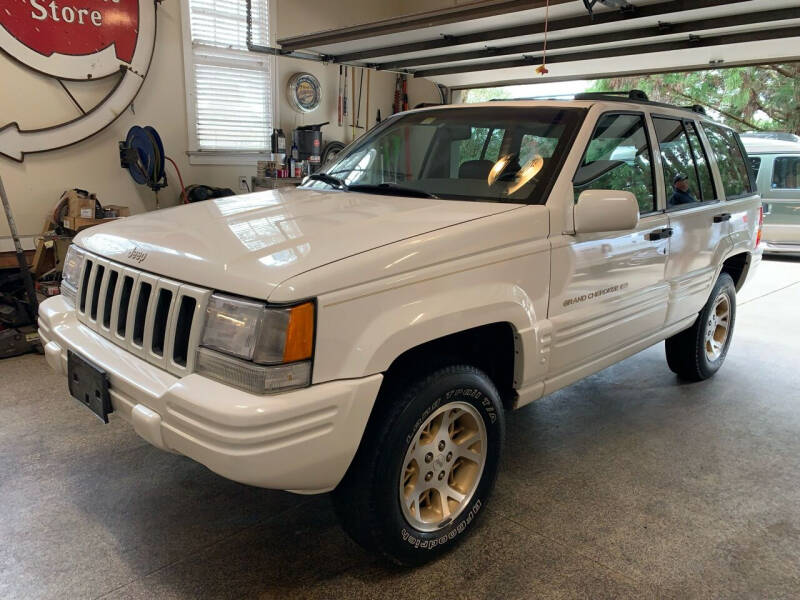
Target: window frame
[(576, 117), (740, 147), (648, 134), (224, 157), (775, 160), (709, 157)]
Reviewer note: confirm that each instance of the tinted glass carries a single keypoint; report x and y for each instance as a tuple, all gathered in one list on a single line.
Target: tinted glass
[(786, 173), (497, 154), (483, 144), (701, 162), (731, 162), (533, 144), (618, 158), (677, 161), (472, 147)]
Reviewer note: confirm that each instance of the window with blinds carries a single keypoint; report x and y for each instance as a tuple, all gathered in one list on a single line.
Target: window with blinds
[(230, 88)]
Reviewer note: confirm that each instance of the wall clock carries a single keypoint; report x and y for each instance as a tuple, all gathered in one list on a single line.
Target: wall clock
[(305, 92)]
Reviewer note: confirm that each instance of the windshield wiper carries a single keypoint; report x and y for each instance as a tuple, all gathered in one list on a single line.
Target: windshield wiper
[(329, 179), (391, 189)]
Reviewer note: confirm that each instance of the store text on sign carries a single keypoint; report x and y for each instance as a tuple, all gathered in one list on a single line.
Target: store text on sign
[(73, 27), (68, 14)]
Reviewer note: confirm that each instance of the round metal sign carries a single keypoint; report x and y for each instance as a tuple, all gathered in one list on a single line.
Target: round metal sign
[(305, 92), (77, 40)]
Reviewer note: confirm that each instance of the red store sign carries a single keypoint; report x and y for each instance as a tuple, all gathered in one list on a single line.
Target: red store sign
[(77, 40)]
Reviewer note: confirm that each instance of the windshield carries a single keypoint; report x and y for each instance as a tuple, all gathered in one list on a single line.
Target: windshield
[(495, 154)]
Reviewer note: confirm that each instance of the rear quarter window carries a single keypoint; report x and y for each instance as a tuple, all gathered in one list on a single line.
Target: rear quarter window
[(786, 173), (733, 167)]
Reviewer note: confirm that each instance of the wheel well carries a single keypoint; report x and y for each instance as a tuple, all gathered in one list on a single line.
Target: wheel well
[(490, 348), (736, 267)]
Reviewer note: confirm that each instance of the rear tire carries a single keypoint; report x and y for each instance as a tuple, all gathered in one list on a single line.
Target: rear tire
[(698, 352), (426, 466)]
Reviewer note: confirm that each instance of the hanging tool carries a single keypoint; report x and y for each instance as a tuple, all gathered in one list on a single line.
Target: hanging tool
[(397, 86), (339, 97), (366, 125), (353, 115), (27, 280), (344, 98), (360, 96), (405, 93)]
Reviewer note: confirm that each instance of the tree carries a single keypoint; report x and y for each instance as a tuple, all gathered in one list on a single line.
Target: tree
[(761, 98), (486, 94)]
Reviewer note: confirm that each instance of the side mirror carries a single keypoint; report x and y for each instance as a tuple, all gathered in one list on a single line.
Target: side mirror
[(606, 210)]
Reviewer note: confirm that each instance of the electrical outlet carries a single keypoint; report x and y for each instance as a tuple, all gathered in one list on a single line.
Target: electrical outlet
[(243, 183)]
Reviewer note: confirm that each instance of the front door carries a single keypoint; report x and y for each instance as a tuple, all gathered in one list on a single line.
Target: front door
[(608, 289)]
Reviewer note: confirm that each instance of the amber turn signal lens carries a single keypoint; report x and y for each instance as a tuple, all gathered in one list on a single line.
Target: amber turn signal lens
[(300, 335)]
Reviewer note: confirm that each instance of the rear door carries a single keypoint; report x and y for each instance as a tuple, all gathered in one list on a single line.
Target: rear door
[(700, 230), (782, 201), (608, 289)]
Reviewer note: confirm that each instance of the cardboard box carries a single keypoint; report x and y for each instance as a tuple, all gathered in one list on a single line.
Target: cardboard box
[(122, 211), (80, 206), (79, 223)]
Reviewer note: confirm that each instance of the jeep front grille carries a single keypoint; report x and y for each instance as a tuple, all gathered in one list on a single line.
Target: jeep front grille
[(155, 318)]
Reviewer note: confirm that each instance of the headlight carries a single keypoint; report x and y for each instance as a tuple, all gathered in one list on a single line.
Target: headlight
[(256, 347), (71, 273)]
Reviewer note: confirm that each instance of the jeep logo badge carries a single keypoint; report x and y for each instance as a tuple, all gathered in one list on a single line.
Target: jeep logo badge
[(137, 255)]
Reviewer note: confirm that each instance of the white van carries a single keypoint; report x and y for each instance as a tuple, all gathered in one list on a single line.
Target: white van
[(776, 165)]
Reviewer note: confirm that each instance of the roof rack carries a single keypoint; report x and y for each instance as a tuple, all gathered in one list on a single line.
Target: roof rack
[(629, 94), (635, 96), (696, 108)]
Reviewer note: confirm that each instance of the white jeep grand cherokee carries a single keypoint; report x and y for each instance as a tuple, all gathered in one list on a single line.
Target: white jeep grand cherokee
[(366, 332)]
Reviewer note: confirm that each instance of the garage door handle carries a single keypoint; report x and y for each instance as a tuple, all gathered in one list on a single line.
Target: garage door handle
[(659, 234), (722, 217)]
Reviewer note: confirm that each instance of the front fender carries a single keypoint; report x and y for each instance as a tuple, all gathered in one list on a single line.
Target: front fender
[(366, 334), (375, 306), (443, 314)]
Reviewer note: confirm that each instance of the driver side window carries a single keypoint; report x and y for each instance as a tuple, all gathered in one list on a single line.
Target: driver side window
[(619, 158)]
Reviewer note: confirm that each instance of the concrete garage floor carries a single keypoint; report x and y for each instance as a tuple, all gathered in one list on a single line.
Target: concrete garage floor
[(627, 484)]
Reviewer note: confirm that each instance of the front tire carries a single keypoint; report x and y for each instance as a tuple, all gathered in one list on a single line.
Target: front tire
[(698, 352), (426, 466)]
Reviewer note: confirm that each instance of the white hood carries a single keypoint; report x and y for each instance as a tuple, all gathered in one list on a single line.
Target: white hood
[(249, 244)]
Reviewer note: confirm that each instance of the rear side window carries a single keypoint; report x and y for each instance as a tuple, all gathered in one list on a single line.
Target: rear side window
[(786, 173), (701, 162), (755, 164), (732, 165), (619, 158), (472, 147), (482, 145), (682, 177)]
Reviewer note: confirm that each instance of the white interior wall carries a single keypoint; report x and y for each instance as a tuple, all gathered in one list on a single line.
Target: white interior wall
[(35, 185)]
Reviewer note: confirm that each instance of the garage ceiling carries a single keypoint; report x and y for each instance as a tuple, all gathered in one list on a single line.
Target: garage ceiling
[(501, 41)]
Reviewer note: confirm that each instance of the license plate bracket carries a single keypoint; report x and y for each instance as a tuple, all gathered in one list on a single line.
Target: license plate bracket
[(88, 384)]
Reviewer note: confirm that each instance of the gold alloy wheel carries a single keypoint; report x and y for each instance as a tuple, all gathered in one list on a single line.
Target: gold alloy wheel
[(443, 465), (718, 327)]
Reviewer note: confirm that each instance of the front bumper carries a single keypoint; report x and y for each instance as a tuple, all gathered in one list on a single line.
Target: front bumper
[(301, 440)]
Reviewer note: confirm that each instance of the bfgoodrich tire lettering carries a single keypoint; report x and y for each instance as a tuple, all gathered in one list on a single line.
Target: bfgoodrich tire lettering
[(368, 500), (698, 352)]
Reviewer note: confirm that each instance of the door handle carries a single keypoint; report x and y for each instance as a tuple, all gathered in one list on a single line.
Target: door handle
[(659, 234), (722, 217)]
